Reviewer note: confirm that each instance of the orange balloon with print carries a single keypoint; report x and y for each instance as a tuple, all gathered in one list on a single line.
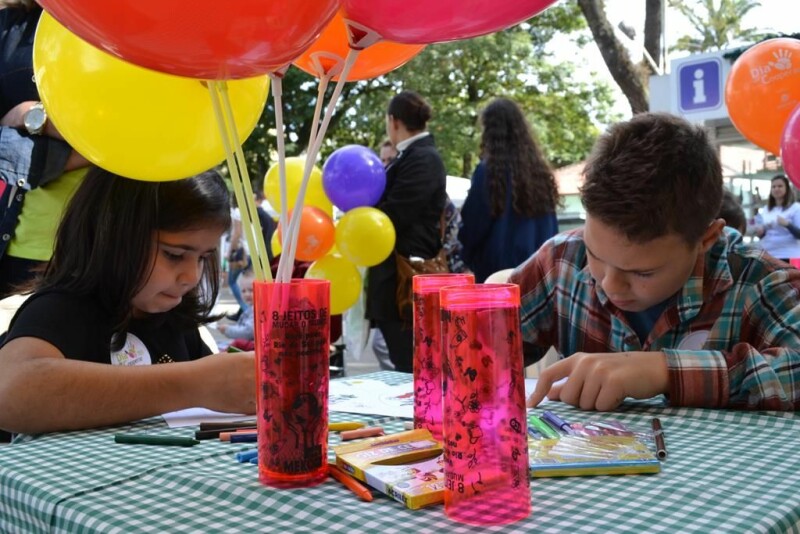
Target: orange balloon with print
[(330, 50), (763, 88), (317, 234)]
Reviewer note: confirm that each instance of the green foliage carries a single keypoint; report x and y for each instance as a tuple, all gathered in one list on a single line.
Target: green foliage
[(717, 23), (458, 79)]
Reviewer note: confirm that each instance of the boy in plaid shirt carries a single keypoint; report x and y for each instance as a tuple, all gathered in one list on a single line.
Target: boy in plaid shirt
[(653, 296)]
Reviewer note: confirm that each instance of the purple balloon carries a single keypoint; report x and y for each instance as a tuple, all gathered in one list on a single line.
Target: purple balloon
[(353, 176)]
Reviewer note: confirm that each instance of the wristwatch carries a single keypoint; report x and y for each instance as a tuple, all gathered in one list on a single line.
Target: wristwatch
[(35, 118)]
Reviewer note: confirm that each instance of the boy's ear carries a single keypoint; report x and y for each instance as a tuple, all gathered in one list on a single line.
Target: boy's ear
[(711, 234)]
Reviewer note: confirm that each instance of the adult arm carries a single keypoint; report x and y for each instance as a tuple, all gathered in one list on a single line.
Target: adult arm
[(416, 181), (41, 391), (476, 217)]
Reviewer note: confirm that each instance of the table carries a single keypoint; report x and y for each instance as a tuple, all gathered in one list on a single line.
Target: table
[(728, 471)]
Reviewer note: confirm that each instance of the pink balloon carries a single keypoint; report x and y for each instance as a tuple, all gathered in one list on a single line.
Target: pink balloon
[(425, 21), (790, 147)]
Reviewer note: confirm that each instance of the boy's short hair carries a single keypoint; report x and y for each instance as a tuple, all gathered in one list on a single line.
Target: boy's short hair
[(653, 175)]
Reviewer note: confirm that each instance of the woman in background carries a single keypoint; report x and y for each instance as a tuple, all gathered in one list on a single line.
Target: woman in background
[(510, 209), (778, 225)]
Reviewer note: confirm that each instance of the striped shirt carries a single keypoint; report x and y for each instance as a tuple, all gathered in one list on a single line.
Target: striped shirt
[(731, 335)]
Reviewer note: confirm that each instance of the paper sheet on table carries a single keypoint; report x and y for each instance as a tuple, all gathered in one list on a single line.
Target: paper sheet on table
[(195, 416), (372, 397)]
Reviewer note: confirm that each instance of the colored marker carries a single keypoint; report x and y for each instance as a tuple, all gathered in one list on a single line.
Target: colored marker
[(535, 434), (543, 428), (658, 437), (556, 422), (345, 425), (352, 484), (214, 425), (368, 432), (151, 439)]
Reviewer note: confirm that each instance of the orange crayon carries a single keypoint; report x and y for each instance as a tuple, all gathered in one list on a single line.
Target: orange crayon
[(368, 432), (352, 484)]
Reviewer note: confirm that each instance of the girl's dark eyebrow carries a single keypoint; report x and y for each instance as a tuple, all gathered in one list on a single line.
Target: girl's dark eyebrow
[(187, 248)]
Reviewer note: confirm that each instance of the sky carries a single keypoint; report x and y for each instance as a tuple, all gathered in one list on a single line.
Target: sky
[(773, 15)]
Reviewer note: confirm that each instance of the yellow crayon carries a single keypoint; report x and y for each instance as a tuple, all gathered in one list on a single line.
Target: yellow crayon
[(348, 425)]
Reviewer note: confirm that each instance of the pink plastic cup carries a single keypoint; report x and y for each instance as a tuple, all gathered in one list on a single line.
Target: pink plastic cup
[(428, 412), (292, 330), (485, 444)]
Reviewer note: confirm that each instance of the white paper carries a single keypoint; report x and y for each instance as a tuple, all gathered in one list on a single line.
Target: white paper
[(372, 397), (195, 416)]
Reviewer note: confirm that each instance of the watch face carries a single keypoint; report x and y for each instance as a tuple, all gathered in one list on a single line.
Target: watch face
[(35, 119)]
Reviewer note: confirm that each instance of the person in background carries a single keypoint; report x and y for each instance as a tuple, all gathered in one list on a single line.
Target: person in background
[(778, 225), (653, 296), (239, 260), (123, 295), (731, 211), (38, 170), (510, 209), (413, 199), (387, 153), (243, 332)]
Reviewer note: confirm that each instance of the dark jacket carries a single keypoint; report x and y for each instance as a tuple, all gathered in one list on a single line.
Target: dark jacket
[(414, 199), (490, 244)]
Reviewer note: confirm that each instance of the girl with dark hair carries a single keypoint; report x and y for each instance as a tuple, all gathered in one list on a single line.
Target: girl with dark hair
[(778, 226), (133, 273), (510, 208), (414, 199)]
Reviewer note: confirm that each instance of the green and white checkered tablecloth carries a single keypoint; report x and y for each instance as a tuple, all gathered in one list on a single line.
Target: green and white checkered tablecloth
[(727, 472)]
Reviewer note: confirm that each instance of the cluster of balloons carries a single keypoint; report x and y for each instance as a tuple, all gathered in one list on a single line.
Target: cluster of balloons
[(353, 179), (763, 98)]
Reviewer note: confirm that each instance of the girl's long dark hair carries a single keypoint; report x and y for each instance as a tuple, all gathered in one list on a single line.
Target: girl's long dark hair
[(105, 245), (509, 149)]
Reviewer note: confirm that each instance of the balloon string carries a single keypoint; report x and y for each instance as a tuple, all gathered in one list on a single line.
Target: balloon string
[(294, 224), (230, 157), (277, 95), (324, 80), (252, 230)]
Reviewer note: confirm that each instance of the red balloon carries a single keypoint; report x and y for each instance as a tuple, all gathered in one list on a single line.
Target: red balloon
[(790, 147), (331, 49), (205, 39), (426, 21)]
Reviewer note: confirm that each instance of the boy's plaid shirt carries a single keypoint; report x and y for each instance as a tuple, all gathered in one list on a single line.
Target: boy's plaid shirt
[(747, 302)]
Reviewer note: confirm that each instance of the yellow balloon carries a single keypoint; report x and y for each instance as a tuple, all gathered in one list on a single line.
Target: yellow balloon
[(275, 244), (132, 121), (365, 236), (344, 277), (315, 194)]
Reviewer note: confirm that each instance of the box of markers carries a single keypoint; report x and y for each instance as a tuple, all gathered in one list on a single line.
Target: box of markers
[(406, 466), (591, 448)]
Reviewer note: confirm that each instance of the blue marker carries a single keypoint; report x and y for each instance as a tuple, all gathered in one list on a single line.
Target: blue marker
[(556, 422), (246, 456), (535, 434)]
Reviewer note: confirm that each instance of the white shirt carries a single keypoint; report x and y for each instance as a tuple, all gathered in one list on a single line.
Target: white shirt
[(778, 240)]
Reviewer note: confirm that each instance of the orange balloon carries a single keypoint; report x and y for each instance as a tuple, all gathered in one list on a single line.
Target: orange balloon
[(330, 50), (763, 88), (317, 234)]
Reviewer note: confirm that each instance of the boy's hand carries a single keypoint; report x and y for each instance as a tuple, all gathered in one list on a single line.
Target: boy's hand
[(602, 381), (226, 382)]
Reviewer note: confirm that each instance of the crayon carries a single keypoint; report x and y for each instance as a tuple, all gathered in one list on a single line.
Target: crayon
[(151, 439), (346, 425), (543, 428), (226, 436), (246, 456), (215, 425), (352, 484), (244, 437), (658, 437), (368, 432), (556, 422)]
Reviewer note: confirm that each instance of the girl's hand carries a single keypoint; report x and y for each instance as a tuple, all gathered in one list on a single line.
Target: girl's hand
[(226, 382), (782, 221)]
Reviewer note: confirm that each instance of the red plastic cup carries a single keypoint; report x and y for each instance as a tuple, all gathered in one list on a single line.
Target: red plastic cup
[(292, 330), (485, 444), (428, 412)]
